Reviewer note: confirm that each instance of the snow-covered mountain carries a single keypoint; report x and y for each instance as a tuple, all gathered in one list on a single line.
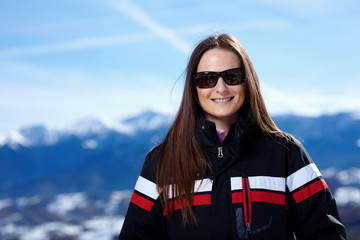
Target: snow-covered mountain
[(331, 140), (43, 135), (65, 216), (92, 153), (107, 154), (75, 181)]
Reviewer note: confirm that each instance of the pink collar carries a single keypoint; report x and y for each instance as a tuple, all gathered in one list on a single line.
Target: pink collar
[(221, 135)]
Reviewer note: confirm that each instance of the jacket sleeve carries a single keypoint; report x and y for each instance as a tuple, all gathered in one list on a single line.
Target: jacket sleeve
[(312, 207), (144, 218)]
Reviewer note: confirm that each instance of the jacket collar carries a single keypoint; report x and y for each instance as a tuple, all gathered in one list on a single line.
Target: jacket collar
[(206, 134)]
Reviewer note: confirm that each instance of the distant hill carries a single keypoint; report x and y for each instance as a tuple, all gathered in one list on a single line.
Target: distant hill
[(93, 154), (105, 155), (331, 140)]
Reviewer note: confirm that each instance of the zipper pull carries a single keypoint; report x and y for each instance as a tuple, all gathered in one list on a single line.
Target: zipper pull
[(248, 229), (220, 152)]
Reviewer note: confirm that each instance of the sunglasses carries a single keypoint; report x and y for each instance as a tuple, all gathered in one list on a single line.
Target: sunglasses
[(234, 76)]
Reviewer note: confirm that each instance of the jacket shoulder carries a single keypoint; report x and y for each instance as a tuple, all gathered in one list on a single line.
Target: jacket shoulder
[(296, 155), (150, 164), (288, 141)]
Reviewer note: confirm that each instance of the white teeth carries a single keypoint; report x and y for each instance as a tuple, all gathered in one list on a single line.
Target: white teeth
[(222, 100)]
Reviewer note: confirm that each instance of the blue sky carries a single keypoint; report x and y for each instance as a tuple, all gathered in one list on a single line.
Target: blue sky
[(64, 60)]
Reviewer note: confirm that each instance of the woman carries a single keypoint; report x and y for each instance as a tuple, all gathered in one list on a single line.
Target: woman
[(224, 170)]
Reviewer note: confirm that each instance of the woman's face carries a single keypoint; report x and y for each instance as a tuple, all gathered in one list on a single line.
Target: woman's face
[(222, 102)]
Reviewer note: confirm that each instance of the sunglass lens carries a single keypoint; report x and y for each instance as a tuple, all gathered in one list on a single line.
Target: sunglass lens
[(206, 80), (234, 78)]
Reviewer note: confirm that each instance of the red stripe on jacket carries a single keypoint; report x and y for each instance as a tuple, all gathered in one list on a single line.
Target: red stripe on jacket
[(310, 190), (197, 200), (141, 202), (259, 196)]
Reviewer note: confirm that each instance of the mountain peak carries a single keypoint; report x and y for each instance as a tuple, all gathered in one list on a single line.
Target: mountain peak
[(98, 126), (85, 128), (149, 120), (14, 140)]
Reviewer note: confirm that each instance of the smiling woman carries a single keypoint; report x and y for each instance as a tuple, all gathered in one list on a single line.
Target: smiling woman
[(224, 169), (221, 103)]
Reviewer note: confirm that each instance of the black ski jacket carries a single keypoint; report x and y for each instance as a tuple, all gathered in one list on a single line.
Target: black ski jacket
[(261, 186)]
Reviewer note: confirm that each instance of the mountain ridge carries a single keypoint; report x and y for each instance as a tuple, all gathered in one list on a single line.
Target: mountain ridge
[(94, 155)]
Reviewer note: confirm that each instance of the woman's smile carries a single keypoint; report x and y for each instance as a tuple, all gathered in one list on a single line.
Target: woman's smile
[(222, 100)]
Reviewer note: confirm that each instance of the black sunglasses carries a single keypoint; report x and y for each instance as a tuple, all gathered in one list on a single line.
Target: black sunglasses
[(234, 76)]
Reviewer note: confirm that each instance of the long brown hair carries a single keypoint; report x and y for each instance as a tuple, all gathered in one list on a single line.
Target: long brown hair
[(181, 158)]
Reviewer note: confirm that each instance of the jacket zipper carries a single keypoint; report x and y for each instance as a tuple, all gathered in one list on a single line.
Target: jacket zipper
[(247, 205), (220, 152)]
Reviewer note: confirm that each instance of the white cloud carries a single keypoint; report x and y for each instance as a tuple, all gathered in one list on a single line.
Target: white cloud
[(307, 103), (58, 97), (74, 44), (138, 15), (171, 36)]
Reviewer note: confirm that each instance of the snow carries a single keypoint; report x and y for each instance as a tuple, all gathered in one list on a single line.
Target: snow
[(104, 224), (89, 144), (31, 136), (344, 177), (347, 195), (99, 126), (155, 122), (12, 230), (349, 176), (42, 231), (41, 134), (102, 125), (85, 129), (118, 126), (65, 203), (11, 218), (115, 198), (356, 115), (148, 120), (5, 203), (87, 126), (329, 172), (50, 135), (3, 140), (28, 201), (101, 227), (14, 139)]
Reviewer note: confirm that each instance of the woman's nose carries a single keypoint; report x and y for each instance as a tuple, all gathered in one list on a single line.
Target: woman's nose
[(221, 86)]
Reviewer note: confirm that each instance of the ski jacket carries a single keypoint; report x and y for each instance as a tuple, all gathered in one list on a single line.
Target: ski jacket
[(262, 186)]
